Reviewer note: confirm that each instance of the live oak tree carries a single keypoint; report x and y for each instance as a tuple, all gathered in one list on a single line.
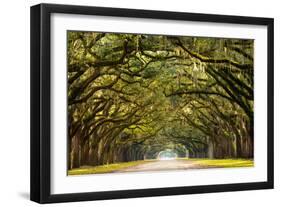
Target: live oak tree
[(131, 96)]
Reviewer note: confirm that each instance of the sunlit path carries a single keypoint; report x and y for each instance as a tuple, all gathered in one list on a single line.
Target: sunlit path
[(173, 164), (162, 165)]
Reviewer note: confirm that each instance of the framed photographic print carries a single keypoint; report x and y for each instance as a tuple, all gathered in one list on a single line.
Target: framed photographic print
[(133, 103)]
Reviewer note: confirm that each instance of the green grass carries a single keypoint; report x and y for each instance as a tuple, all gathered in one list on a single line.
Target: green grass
[(224, 163), (105, 168)]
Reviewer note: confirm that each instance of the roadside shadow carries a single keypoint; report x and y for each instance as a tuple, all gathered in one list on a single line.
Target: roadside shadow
[(24, 195)]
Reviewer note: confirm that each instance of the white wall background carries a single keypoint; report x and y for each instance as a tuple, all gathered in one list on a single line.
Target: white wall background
[(14, 101)]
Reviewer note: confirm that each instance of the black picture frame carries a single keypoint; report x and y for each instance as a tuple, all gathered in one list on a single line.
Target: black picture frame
[(41, 96)]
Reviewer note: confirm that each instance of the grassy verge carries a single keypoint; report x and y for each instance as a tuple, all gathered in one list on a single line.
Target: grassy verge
[(105, 168), (224, 163)]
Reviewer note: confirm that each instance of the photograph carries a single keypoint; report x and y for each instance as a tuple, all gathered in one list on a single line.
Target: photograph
[(132, 103), (153, 102)]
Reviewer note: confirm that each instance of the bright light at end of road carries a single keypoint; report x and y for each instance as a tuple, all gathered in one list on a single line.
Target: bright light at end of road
[(167, 155)]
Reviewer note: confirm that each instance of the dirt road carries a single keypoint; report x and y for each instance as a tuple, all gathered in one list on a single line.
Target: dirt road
[(164, 165)]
